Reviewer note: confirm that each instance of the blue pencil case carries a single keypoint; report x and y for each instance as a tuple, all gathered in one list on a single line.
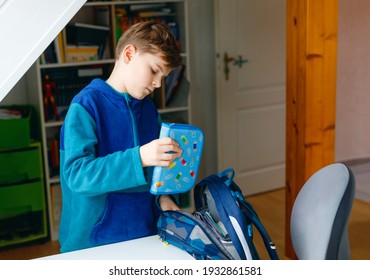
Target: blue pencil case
[(182, 173)]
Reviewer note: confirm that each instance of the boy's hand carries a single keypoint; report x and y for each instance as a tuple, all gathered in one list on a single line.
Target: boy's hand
[(166, 203), (159, 152)]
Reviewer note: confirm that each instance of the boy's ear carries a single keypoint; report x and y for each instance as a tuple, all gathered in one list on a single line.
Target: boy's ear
[(128, 53)]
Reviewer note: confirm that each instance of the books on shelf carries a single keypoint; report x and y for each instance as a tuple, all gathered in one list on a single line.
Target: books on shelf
[(180, 99), (68, 81), (99, 32), (56, 197), (174, 92), (53, 154), (172, 83), (131, 14), (59, 48), (86, 34), (76, 53), (49, 55), (82, 34), (78, 42)]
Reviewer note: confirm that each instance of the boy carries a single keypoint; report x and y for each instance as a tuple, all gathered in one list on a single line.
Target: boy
[(109, 143)]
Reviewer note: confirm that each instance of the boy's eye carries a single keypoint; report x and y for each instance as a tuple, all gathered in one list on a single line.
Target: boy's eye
[(153, 71)]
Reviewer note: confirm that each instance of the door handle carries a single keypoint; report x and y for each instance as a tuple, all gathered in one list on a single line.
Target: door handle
[(227, 59)]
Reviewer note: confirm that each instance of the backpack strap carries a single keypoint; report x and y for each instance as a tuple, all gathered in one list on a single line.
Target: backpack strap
[(227, 176), (229, 213), (251, 214)]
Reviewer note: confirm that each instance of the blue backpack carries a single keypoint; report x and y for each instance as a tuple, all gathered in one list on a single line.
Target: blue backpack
[(221, 227)]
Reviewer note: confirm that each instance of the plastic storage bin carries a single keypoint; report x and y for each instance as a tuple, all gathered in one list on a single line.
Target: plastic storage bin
[(22, 195), (19, 165), (15, 132), (22, 213), (20, 199)]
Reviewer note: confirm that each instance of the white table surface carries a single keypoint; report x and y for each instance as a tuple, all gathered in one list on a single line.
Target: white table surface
[(146, 248)]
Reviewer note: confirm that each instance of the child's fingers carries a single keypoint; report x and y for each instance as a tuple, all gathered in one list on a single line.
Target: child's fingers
[(170, 146), (169, 157), (167, 141), (170, 153), (172, 150)]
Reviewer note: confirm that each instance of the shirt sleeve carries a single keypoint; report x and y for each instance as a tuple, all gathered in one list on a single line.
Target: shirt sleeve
[(91, 175)]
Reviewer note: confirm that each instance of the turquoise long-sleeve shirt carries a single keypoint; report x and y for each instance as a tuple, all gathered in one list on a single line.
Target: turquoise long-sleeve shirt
[(105, 189)]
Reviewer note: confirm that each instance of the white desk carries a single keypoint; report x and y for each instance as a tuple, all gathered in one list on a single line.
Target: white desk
[(147, 248)]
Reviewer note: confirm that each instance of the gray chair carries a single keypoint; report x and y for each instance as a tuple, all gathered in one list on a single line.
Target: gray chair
[(320, 214)]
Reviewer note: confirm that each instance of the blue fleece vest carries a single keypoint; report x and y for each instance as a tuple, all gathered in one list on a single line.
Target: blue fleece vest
[(104, 186)]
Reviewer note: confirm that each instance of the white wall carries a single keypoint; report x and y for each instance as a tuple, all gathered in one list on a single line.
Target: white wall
[(17, 95), (353, 83)]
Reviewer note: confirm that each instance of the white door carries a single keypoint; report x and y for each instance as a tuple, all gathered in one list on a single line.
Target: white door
[(251, 100)]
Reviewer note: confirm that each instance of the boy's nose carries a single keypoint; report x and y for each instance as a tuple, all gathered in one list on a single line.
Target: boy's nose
[(157, 83)]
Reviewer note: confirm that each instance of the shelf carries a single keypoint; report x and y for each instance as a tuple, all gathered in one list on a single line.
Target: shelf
[(128, 2), (173, 110), (73, 64), (54, 180), (53, 123)]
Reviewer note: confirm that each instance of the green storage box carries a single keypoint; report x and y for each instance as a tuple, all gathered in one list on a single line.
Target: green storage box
[(19, 165), (22, 213), (22, 198), (15, 132), (22, 195)]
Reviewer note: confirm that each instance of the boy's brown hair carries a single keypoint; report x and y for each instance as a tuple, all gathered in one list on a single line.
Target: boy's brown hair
[(153, 38)]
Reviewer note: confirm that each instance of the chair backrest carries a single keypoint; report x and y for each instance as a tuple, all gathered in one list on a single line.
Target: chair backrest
[(320, 214)]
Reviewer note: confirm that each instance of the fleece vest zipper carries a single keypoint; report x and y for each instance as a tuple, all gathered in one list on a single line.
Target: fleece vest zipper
[(133, 122)]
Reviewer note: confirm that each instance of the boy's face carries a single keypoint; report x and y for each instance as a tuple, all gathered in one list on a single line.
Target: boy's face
[(146, 72)]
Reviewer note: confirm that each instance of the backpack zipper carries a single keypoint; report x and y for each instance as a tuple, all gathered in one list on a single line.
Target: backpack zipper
[(201, 224), (179, 243)]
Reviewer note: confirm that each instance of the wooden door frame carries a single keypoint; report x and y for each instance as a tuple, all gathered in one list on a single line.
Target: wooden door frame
[(311, 91)]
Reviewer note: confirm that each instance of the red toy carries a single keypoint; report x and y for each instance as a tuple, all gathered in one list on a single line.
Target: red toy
[(49, 89)]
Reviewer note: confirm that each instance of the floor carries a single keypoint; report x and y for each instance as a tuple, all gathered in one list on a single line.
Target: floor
[(271, 209), (361, 170), (30, 251)]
